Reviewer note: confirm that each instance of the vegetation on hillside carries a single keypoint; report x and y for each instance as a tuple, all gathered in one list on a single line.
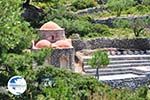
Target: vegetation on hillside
[(136, 25), (119, 5), (15, 58), (63, 13)]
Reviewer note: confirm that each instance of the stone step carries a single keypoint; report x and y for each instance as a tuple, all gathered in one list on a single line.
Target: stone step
[(126, 77), (129, 61), (125, 61), (130, 57), (122, 57), (128, 65), (145, 68), (88, 68), (141, 69), (123, 70), (112, 71), (86, 58)]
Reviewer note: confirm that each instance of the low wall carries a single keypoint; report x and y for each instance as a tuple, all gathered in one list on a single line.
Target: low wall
[(132, 83), (105, 1), (99, 9), (110, 21), (139, 44)]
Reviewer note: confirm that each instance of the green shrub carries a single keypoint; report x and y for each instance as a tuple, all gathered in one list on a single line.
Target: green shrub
[(131, 10), (121, 23), (75, 36), (75, 26), (142, 9), (67, 85), (93, 35), (86, 18), (40, 0), (102, 29), (82, 27), (98, 30), (119, 5), (82, 4), (22, 62), (60, 13), (71, 86), (99, 60)]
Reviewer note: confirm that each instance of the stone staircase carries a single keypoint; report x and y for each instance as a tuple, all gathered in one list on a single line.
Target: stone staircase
[(123, 70)]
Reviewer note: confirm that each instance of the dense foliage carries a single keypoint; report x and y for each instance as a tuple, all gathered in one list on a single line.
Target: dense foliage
[(119, 5), (15, 33), (82, 27), (64, 13), (71, 86), (82, 4)]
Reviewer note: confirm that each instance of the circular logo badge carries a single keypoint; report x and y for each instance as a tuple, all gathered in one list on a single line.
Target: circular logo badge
[(17, 85)]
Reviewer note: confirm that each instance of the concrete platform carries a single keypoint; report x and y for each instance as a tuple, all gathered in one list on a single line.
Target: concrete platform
[(119, 76)]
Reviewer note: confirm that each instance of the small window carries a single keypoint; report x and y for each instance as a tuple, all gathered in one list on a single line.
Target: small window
[(52, 37)]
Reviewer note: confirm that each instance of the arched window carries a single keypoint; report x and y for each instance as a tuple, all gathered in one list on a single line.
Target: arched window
[(53, 37)]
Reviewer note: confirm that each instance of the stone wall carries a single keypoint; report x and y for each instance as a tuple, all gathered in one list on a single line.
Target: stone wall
[(63, 56), (132, 83), (110, 21), (99, 9), (140, 44), (105, 1)]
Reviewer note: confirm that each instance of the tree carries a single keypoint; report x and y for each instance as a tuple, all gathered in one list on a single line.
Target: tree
[(139, 24), (136, 24), (15, 34), (99, 60), (119, 5)]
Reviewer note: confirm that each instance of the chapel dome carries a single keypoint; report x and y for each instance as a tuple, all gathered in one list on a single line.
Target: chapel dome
[(62, 44), (43, 44), (50, 26)]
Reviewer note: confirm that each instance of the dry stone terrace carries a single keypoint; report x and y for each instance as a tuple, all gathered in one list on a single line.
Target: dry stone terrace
[(110, 21), (130, 44), (130, 70)]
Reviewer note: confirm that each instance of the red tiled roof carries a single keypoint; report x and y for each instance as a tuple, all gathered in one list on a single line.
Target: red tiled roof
[(43, 44), (50, 26), (62, 44)]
